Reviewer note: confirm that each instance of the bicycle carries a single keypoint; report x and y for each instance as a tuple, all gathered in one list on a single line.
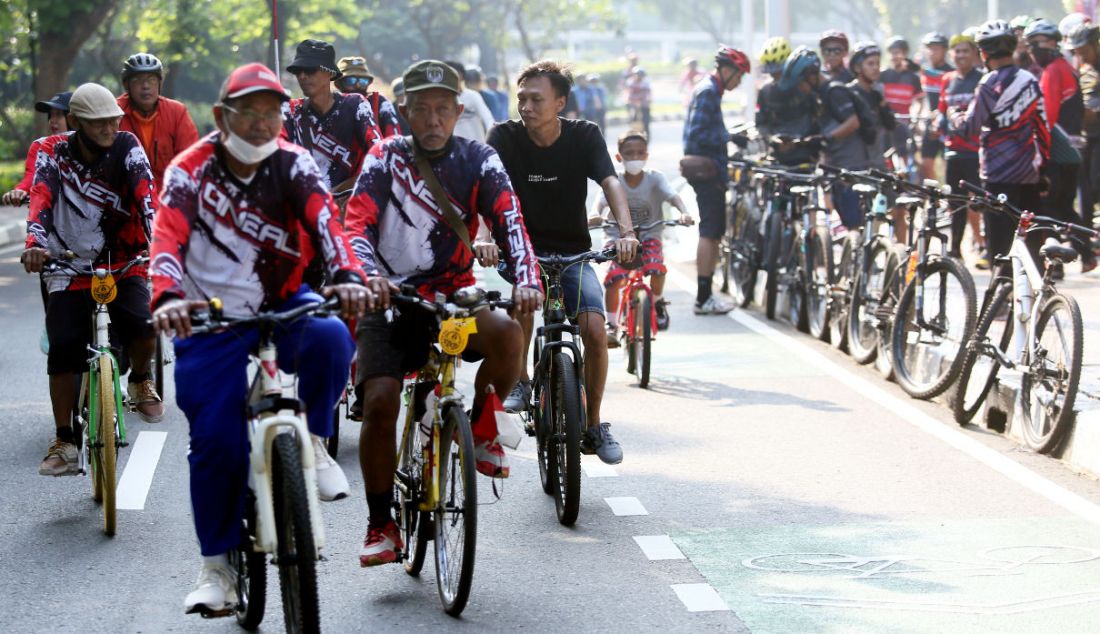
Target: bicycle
[(556, 416), (1040, 331), (741, 248), (98, 416), (435, 482), (282, 512)]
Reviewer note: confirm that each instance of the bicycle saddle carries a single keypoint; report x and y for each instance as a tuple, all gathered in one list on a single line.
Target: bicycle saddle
[(1058, 252)]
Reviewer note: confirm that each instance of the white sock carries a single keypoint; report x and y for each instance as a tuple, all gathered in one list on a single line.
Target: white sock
[(613, 320), (216, 560)]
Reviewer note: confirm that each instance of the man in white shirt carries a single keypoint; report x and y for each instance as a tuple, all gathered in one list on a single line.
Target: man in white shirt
[(476, 119)]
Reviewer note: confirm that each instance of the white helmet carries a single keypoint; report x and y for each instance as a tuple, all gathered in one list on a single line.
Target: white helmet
[(996, 37)]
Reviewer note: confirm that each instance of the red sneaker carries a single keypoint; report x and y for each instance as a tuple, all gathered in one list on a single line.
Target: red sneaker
[(381, 546)]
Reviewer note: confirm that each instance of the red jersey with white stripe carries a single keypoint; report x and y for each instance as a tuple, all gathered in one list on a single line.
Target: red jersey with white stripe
[(337, 140), (101, 211), (247, 243)]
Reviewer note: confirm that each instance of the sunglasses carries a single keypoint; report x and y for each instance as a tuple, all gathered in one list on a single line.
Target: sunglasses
[(352, 82), (833, 50)]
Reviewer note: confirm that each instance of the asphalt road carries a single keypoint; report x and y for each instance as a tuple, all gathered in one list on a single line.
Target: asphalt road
[(770, 485)]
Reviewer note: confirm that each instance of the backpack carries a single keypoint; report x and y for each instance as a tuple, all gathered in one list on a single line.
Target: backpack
[(868, 130)]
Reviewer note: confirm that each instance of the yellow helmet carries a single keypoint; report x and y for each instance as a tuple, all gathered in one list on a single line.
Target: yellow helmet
[(775, 53)]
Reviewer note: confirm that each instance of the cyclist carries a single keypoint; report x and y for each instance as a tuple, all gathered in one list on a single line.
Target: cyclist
[(107, 226), (1065, 109), (1022, 55), (705, 135), (400, 230), (241, 215), (931, 79), (161, 124), (476, 120), (337, 129), (355, 77), (865, 63), (772, 56), (902, 88), (785, 115), (646, 192), (550, 161), (960, 150), (834, 48), (1007, 114), (1084, 40), (55, 109), (475, 80)]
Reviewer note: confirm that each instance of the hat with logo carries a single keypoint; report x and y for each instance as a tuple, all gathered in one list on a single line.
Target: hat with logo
[(354, 67), (250, 78), (431, 73), (92, 101), (60, 101), (312, 54)]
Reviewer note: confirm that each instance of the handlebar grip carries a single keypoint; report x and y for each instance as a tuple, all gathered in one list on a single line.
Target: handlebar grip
[(974, 189)]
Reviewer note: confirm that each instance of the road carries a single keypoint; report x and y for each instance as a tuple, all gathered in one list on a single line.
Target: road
[(770, 485)]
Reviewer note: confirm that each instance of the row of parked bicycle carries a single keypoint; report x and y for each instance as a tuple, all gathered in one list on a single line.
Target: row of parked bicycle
[(911, 309)]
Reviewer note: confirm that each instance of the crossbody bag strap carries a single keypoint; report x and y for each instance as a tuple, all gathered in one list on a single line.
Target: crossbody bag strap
[(304, 129), (436, 188)]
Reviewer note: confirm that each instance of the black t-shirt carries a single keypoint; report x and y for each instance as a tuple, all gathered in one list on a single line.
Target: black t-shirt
[(551, 182)]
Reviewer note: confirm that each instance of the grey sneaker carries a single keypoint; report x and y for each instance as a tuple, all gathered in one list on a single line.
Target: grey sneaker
[(714, 306), (61, 459), (599, 441), (519, 399)]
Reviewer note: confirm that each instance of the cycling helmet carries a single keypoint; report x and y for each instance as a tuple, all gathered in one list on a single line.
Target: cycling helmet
[(996, 38), (1069, 22), (897, 42), (832, 34), (141, 63), (861, 52), (934, 37), (966, 37), (1082, 34), (1042, 27), (732, 57), (801, 61), (1019, 22), (775, 53)]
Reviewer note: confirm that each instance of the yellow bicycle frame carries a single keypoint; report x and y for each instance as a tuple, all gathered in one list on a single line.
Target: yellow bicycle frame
[(439, 368)]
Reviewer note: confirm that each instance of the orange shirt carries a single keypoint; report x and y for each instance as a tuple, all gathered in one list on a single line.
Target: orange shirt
[(144, 129)]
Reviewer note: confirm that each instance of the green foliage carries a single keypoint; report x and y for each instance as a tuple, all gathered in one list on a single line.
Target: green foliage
[(11, 172)]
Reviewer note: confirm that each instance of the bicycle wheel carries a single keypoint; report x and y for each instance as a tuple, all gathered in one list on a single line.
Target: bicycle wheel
[(868, 291), (841, 296), (893, 285), (740, 257), (456, 515), (795, 275), (772, 255), (158, 365), (544, 416), (564, 446), (297, 556), (979, 368), (928, 356), (332, 443), (251, 567), (105, 447), (819, 278), (643, 337), (1049, 386), (408, 493)]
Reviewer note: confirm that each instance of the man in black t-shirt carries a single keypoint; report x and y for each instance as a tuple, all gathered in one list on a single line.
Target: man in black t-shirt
[(549, 160)]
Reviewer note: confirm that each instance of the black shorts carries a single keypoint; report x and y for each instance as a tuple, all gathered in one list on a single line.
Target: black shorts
[(394, 349), (931, 146), (963, 168), (69, 323), (711, 199)]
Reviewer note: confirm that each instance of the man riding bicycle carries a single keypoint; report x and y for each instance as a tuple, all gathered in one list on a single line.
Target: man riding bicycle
[(242, 214), (55, 109), (403, 230), (106, 227), (355, 77)]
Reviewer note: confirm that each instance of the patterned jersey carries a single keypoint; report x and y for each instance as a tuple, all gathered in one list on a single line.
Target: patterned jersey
[(101, 211), (901, 87), (1062, 99), (385, 114), (931, 80), (399, 231), (1007, 114), (958, 92), (28, 166), (339, 139), (246, 243)]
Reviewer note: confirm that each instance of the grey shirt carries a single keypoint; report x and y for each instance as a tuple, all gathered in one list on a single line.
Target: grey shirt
[(645, 203)]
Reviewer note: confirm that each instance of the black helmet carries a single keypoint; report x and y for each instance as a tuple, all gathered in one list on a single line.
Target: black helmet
[(803, 59), (141, 63), (897, 42), (862, 51), (934, 37)]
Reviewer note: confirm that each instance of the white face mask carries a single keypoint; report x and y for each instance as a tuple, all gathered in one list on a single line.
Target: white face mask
[(633, 167), (247, 153)]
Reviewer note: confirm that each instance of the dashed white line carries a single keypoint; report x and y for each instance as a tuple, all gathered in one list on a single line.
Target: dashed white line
[(136, 479), (599, 470), (626, 506), (700, 597), (658, 547)]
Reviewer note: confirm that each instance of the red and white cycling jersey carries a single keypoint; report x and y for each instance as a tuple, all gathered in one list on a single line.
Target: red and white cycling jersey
[(339, 140)]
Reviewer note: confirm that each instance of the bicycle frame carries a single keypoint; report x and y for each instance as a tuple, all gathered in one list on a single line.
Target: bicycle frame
[(101, 322), (923, 238), (1025, 279), (634, 283), (548, 337), (440, 368)]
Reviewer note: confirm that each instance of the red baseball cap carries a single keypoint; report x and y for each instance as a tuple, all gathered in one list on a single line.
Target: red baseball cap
[(250, 78)]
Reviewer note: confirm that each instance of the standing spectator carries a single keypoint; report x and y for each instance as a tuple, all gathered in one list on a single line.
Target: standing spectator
[(931, 79), (1084, 40), (584, 96), (501, 113), (599, 102), (639, 96), (901, 87), (834, 48), (961, 151), (689, 78), (161, 124), (357, 78), (476, 81), (475, 120)]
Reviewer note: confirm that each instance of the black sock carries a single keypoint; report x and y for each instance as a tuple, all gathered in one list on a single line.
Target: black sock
[(379, 505), (704, 292), (65, 434)]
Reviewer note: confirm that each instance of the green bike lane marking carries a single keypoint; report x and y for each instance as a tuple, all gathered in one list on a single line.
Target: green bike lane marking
[(1022, 575)]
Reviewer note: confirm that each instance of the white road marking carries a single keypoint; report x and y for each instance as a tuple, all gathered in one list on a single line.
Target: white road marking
[(658, 547), (141, 466), (993, 459), (626, 506), (700, 597), (598, 470)]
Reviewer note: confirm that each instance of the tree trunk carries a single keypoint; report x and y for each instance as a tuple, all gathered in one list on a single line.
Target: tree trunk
[(525, 38)]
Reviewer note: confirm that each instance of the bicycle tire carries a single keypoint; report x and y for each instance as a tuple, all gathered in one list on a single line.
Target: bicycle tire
[(332, 443), (820, 276), (565, 438), (965, 403), (796, 293), (297, 556), (158, 366), (643, 337), (456, 447), (841, 297), (410, 519), (907, 357), (631, 344), (1045, 427), (740, 266), (106, 446), (251, 569), (867, 292), (773, 237), (893, 285)]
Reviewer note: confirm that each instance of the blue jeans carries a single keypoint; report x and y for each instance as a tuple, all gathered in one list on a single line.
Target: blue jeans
[(582, 291), (212, 390)]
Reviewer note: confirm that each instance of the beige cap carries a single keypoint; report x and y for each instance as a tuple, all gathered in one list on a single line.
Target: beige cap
[(92, 101)]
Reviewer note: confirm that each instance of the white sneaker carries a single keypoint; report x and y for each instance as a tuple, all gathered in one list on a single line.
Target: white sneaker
[(714, 306), (44, 342), (332, 484), (215, 592)]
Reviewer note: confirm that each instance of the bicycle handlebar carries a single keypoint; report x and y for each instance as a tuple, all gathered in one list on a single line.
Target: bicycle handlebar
[(999, 203), (561, 261), (211, 320), (646, 226), (56, 266), (462, 303)]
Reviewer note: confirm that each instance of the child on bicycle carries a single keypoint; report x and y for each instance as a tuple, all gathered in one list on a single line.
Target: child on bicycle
[(646, 191)]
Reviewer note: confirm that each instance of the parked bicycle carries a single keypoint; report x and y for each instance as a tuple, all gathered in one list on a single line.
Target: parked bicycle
[(742, 246)]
